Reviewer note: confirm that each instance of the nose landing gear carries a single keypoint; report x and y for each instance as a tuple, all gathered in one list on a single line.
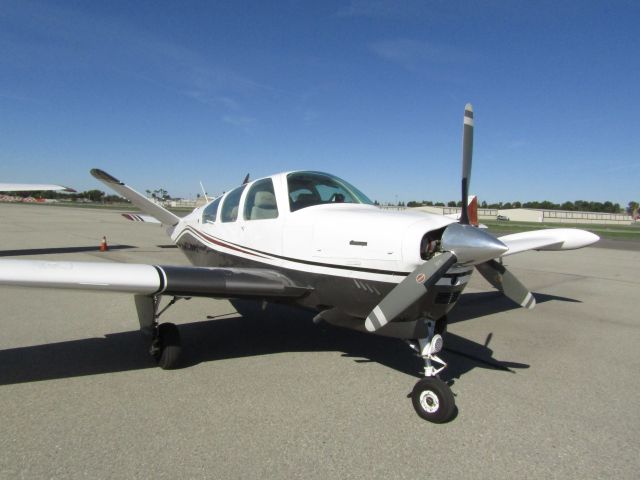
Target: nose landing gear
[(431, 397)]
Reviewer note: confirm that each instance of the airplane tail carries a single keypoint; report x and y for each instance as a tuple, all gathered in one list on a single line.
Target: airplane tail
[(158, 212)]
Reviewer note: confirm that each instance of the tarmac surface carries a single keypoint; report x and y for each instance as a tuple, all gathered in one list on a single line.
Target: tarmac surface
[(544, 393)]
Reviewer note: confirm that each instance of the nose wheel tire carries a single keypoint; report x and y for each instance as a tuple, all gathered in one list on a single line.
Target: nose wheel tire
[(166, 346), (433, 400)]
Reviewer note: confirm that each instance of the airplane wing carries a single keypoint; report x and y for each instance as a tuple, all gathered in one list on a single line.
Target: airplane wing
[(163, 215), (549, 239), (150, 280), (32, 187)]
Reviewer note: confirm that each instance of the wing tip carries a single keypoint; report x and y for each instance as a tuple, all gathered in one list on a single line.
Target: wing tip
[(104, 176)]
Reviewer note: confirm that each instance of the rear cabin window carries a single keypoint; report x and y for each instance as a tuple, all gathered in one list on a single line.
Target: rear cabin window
[(229, 211), (211, 211), (260, 203)]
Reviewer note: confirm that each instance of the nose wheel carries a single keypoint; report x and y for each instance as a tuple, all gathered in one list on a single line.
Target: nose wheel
[(433, 400), (431, 397)]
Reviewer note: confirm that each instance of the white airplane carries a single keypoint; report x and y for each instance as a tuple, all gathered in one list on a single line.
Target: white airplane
[(32, 187), (313, 240)]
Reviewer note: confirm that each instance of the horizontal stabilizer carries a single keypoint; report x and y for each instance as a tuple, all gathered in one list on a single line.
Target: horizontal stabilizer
[(163, 215), (151, 279), (550, 239), (136, 217)]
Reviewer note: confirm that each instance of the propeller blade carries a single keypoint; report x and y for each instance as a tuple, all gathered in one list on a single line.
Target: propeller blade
[(410, 290), (467, 154), (498, 276)]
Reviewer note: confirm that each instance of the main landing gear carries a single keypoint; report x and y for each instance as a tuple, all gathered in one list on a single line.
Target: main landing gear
[(165, 346), (431, 397), (165, 338)]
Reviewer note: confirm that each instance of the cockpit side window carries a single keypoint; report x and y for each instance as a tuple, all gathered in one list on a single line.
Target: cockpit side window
[(260, 203), (314, 188), (210, 212), (229, 211)]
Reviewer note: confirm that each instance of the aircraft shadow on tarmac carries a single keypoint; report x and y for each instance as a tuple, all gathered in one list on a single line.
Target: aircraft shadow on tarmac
[(256, 332), (479, 304), (58, 250)]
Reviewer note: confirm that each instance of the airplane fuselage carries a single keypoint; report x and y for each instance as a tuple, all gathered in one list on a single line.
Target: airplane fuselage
[(350, 254)]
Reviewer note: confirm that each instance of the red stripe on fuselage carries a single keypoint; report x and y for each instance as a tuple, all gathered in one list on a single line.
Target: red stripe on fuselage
[(221, 243)]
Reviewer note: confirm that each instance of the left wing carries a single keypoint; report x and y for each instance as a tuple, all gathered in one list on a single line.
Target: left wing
[(151, 280), (549, 239)]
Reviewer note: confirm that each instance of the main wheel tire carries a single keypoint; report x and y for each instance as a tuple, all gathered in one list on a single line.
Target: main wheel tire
[(433, 400), (170, 347)]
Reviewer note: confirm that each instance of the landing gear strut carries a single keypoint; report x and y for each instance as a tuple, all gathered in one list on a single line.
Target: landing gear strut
[(165, 337), (431, 397)]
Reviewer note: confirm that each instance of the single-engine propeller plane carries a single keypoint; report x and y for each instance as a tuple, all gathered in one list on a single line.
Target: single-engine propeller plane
[(311, 239)]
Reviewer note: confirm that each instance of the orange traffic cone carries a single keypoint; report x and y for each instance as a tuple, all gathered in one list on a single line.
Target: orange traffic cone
[(103, 244)]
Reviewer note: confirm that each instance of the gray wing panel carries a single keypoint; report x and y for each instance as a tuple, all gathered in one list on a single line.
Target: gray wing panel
[(229, 283), (144, 279)]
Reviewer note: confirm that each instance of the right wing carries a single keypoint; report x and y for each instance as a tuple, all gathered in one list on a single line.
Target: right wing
[(149, 280)]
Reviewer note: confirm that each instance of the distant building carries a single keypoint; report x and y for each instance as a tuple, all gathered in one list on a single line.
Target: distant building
[(539, 215)]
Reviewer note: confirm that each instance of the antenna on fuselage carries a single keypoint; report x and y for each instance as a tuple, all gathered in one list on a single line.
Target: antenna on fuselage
[(204, 192), (246, 180)]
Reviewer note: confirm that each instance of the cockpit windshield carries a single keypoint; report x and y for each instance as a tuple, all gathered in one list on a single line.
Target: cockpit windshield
[(315, 188)]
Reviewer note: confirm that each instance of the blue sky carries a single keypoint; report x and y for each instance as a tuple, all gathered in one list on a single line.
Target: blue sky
[(167, 94)]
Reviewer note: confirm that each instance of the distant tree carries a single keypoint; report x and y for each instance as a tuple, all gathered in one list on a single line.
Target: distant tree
[(451, 204), (439, 204), (632, 209), (161, 194), (483, 204), (93, 195)]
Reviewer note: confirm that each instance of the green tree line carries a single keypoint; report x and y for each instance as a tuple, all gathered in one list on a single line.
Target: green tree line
[(97, 196), (577, 206)]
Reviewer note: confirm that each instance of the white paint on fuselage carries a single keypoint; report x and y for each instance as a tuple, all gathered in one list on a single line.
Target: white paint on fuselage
[(342, 234)]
